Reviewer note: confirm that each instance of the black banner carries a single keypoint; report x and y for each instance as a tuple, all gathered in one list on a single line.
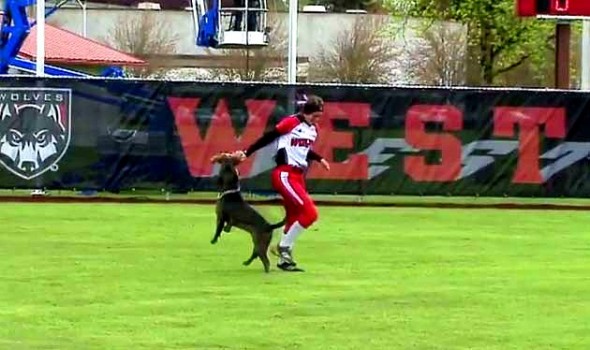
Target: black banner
[(113, 135)]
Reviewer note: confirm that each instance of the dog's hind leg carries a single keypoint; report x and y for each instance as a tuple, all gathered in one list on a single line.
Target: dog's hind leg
[(262, 249), (251, 258), (220, 223), (254, 253)]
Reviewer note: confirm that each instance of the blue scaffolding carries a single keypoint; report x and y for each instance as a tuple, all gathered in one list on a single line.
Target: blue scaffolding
[(14, 30)]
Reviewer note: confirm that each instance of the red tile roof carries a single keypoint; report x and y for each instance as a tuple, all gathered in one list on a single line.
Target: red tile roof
[(65, 47)]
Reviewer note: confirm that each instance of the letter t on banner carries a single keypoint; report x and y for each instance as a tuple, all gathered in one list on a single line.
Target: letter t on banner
[(529, 121)]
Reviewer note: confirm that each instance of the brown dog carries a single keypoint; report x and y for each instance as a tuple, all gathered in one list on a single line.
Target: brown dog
[(233, 210)]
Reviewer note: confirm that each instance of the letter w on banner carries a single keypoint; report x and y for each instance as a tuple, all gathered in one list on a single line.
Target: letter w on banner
[(199, 145)]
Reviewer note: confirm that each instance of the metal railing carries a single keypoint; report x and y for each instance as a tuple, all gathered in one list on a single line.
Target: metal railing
[(255, 18)]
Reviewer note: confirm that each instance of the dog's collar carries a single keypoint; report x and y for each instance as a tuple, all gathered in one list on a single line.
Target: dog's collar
[(235, 190)]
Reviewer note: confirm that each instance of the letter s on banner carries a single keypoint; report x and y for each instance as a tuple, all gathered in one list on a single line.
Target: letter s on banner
[(449, 168)]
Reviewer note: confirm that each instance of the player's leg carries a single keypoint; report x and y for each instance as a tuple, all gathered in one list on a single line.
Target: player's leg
[(291, 209), (306, 211), (306, 214), (283, 182), (291, 213)]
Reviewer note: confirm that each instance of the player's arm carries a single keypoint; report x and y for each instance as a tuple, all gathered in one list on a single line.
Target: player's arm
[(267, 138), (283, 127), (312, 156)]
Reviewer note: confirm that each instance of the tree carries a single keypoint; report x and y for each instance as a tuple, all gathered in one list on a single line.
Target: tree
[(371, 6), (360, 54), (438, 56), (146, 35), (498, 41)]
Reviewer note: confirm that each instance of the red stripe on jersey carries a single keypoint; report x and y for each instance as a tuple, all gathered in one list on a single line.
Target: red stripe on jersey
[(287, 124)]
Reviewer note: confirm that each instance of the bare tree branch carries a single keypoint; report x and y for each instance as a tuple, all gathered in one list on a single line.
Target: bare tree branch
[(361, 54), (439, 57), (520, 61), (144, 35)]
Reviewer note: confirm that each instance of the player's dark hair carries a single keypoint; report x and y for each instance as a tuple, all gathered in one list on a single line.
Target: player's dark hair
[(313, 104)]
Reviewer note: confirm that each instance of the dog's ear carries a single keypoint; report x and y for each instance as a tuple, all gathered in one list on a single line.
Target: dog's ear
[(224, 156), (219, 157), (235, 160)]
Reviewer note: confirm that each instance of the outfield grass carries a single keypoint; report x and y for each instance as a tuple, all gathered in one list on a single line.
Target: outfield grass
[(104, 276)]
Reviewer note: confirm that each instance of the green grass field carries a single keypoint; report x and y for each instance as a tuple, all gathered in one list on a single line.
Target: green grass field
[(144, 276)]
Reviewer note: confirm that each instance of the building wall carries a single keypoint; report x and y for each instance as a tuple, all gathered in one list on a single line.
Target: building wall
[(314, 29)]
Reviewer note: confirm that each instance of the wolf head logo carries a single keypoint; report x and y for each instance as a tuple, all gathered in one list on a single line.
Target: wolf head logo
[(33, 137)]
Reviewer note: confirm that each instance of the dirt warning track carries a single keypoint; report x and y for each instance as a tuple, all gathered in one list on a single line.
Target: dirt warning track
[(332, 203)]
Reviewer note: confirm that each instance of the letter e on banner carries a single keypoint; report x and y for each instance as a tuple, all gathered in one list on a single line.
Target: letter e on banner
[(356, 167), (449, 168)]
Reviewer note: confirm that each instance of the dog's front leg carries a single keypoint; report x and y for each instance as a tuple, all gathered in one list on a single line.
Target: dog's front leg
[(220, 223)]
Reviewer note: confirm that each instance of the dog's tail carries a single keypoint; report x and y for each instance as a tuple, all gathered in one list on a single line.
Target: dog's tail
[(279, 224)]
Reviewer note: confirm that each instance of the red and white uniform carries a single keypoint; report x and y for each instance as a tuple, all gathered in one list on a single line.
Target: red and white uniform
[(295, 141), (294, 137)]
